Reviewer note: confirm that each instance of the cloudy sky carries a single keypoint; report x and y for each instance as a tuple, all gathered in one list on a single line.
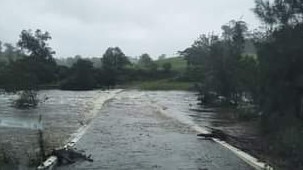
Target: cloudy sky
[(88, 27)]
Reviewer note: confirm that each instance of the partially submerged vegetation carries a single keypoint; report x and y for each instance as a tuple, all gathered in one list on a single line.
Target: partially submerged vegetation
[(266, 85), (27, 99), (257, 74)]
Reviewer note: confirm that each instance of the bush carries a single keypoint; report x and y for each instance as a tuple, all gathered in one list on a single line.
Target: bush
[(27, 99)]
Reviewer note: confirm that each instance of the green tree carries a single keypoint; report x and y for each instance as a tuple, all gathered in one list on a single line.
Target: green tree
[(81, 76), (35, 45), (113, 63), (197, 56), (215, 61), (281, 78), (114, 59), (35, 66), (145, 61), (233, 42), (167, 67), (280, 56), (40, 55), (279, 12)]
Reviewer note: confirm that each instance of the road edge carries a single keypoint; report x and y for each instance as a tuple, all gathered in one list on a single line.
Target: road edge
[(51, 162), (246, 157)]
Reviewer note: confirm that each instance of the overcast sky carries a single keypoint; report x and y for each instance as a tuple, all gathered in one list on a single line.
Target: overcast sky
[(88, 27)]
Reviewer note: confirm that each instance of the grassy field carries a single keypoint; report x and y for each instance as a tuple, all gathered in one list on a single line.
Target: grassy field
[(178, 63)]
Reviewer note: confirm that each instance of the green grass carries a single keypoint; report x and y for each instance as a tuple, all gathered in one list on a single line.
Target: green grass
[(165, 85), (178, 63)]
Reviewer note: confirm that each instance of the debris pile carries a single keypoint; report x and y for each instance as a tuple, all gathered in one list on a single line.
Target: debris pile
[(70, 155)]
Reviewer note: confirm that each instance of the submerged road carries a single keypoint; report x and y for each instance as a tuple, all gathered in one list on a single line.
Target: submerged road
[(129, 133)]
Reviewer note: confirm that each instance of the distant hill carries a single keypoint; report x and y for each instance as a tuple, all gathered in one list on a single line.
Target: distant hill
[(178, 63)]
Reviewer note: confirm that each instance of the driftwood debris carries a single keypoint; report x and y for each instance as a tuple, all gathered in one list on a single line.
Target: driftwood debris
[(69, 156)]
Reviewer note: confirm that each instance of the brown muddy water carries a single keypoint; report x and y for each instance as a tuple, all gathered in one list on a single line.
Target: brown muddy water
[(65, 111)]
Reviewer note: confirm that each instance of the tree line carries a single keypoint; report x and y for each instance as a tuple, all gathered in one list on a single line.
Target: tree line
[(31, 65), (271, 79)]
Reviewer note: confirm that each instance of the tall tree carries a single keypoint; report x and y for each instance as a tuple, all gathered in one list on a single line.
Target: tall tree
[(35, 44), (280, 56), (114, 59), (215, 61), (113, 63), (145, 60), (40, 55)]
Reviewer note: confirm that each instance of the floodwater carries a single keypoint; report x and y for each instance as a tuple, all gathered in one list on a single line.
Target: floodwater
[(134, 130), (62, 114), (153, 130)]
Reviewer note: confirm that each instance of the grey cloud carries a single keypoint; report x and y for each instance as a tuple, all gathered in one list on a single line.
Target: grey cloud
[(88, 27)]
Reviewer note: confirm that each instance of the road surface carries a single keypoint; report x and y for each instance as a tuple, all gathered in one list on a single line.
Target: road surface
[(129, 133)]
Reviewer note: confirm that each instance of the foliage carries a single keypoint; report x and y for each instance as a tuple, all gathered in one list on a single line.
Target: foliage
[(280, 56), (27, 99), (271, 81), (35, 45), (114, 59), (113, 63), (279, 13), (167, 67), (38, 61), (69, 61), (145, 60), (81, 76), (216, 62), (28, 66), (10, 53)]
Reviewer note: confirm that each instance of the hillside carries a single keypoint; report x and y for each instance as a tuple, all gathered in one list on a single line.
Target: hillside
[(178, 63)]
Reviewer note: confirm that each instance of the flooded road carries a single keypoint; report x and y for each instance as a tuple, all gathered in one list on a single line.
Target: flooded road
[(153, 130), (62, 114)]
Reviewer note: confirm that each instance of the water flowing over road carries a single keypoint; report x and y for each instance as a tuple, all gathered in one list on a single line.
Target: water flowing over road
[(62, 114), (152, 130)]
